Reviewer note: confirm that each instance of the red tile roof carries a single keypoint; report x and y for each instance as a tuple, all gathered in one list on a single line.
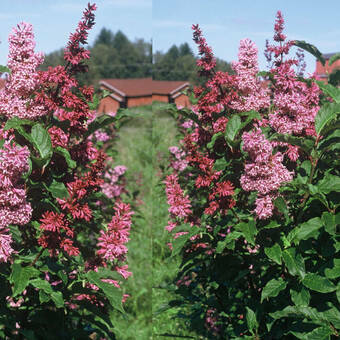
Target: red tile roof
[(143, 86)]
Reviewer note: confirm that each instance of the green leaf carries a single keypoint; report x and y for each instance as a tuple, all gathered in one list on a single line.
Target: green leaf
[(300, 297), (330, 90), (293, 262), (43, 297), (334, 272), (304, 143), (16, 122), (309, 229), (274, 253), (251, 320), (42, 142), (320, 333), (248, 230), (99, 122), (63, 152), (20, 277), (233, 127), (4, 69), (326, 114), (95, 102), (113, 294), (273, 288), (318, 283), (58, 189), (328, 221), (58, 299), (329, 183), (272, 225), (221, 245), (211, 144), (333, 58), (281, 205), (311, 49), (43, 285)]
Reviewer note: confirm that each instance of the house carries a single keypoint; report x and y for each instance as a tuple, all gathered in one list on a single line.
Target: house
[(126, 93), (322, 72)]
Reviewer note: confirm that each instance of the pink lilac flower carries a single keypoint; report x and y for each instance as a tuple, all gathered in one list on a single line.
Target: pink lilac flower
[(179, 203), (15, 99), (58, 137), (112, 241), (252, 94), (264, 173), (6, 249), (179, 163), (111, 187), (14, 208)]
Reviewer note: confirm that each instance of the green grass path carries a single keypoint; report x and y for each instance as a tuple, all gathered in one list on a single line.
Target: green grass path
[(143, 147)]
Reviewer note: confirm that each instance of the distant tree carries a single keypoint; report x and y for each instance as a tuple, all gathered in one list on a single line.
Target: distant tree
[(105, 37)]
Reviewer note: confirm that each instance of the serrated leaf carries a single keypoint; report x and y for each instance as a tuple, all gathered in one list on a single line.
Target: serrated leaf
[(300, 297), (293, 262), (43, 297), (318, 283), (58, 189), (20, 277), (248, 230), (42, 142), (311, 49), (273, 288), (325, 115), (251, 319), (63, 152), (233, 127), (274, 253)]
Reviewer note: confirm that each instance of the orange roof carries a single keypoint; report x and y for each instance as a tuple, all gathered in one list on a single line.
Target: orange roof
[(143, 86)]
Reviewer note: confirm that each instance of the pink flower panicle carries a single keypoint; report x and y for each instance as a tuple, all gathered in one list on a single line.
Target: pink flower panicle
[(75, 53), (113, 185), (14, 208), (252, 94), (180, 206), (207, 62), (178, 162), (264, 173), (16, 98), (112, 241)]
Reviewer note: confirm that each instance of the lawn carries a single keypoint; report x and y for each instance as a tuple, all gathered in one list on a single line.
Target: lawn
[(143, 143)]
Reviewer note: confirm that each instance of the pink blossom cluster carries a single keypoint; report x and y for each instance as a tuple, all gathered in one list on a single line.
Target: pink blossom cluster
[(112, 186), (296, 103), (179, 203), (252, 94), (179, 163), (15, 99), (112, 241), (264, 173), (14, 209)]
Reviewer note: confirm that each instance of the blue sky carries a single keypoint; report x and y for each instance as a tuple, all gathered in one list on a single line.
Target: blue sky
[(166, 22), (225, 22)]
